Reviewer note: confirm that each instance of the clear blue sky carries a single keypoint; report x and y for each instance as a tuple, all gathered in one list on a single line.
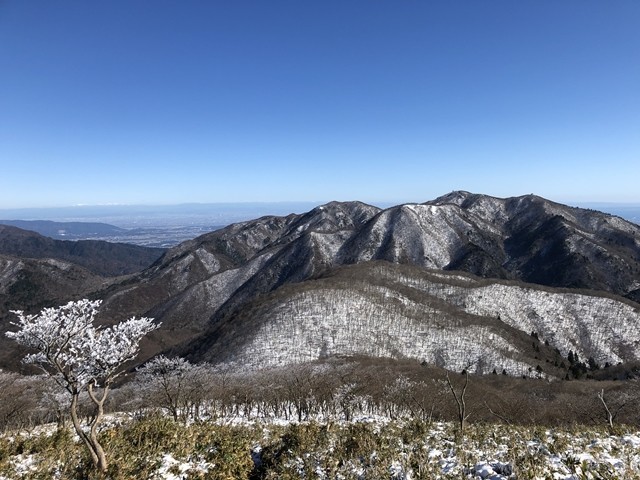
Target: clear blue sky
[(162, 102)]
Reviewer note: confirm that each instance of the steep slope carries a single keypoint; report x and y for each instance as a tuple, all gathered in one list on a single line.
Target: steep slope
[(447, 319), (431, 236), (553, 244), (526, 238), (219, 271), (102, 258)]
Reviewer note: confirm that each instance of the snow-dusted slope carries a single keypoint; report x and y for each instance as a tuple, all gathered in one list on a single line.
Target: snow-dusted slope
[(221, 270), (603, 327), (454, 321), (432, 236)]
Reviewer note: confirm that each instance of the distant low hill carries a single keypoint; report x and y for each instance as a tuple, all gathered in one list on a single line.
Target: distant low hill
[(101, 258), (157, 236), (66, 230)]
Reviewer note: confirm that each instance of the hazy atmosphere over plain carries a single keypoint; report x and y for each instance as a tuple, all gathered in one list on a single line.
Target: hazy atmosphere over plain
[(140, 102)]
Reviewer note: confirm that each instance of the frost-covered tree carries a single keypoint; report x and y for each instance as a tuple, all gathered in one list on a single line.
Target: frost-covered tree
[(81, 357)]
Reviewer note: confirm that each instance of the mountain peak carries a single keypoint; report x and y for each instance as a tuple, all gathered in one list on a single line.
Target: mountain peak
[(335, 216), (457, 197), (462, 197), (348, 206)]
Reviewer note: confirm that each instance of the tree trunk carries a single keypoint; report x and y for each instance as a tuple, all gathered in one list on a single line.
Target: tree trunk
[(606, 408), (97, 419), (460, 401), (77, 425)]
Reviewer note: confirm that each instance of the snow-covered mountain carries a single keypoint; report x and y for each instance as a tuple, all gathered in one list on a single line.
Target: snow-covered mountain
[(232, 293), (350, 278), (453, 320)]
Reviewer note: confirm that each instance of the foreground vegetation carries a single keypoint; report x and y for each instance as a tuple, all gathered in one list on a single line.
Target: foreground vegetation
[(155, 446), (344, 418)]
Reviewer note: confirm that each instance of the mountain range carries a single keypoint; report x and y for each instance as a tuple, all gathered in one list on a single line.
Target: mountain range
[(462, 281)]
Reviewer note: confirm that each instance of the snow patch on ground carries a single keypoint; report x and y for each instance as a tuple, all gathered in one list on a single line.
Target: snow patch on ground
[(173, 469)]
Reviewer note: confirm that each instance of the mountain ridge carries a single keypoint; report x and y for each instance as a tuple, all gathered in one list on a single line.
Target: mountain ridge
[(213, 278), (65, 230), (214, 290)]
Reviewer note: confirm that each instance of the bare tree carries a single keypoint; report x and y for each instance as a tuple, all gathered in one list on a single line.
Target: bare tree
[(460, 401), (178, 384), (612, 407), (299, 387), (81, 357), (18, 400)]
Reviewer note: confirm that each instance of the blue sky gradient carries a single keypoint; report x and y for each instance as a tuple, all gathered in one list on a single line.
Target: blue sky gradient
[(164, 102)]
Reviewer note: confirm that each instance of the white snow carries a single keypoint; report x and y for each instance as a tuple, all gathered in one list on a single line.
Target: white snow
[(184, 468)]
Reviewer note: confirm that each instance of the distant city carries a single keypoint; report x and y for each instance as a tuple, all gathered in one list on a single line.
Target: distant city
[(168, 225)]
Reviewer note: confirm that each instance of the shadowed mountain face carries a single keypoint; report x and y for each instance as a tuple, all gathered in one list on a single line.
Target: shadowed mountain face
[(32, 284), (215, 294), (101, 258), (526, 238), (552, 244)]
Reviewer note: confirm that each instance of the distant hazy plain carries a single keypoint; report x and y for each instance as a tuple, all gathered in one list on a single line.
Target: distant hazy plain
[(168, 225)]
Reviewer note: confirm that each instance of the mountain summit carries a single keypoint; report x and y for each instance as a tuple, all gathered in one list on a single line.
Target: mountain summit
[(220, 290)]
